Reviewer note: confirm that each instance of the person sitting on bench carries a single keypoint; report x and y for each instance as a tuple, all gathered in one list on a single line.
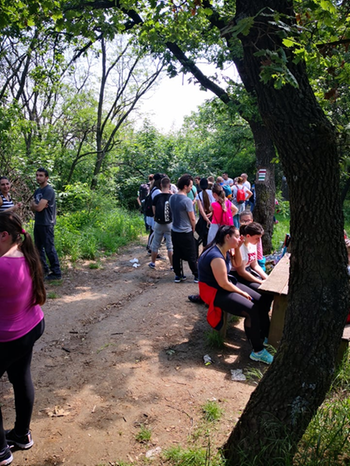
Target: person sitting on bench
[(223, 295)]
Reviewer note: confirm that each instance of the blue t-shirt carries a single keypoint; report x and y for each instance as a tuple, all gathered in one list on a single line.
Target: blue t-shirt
[(205, 272)]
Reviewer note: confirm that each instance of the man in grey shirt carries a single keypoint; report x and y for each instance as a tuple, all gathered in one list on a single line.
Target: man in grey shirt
[(44, 206), (184, 223)]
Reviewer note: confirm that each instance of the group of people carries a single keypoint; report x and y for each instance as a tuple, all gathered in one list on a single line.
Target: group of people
[(22, 293), (228, 270)]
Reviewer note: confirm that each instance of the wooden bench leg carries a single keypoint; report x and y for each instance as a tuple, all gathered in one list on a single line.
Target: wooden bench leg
[(223, 330)]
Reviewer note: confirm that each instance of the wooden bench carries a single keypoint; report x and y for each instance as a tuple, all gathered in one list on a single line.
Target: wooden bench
[(277, 284)]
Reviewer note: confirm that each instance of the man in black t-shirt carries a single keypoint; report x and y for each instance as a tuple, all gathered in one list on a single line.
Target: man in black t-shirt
[(44, 206)]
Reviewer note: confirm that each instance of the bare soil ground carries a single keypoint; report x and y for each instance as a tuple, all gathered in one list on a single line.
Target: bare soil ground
[(124, 347)]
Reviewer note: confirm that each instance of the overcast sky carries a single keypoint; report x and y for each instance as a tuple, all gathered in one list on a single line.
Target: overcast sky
[(173, 99)]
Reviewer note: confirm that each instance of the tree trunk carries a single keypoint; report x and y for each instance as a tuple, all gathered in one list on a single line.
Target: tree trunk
[(289, 394), (265, 189)]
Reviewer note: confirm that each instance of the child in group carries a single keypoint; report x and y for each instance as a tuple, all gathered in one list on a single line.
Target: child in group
[(245, 218), (223, 211)]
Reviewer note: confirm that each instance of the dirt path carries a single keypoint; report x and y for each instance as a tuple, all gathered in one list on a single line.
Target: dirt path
[(123, 347)]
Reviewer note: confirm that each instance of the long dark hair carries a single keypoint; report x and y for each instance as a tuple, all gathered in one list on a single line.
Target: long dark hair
[(11, 223), (206, 201), (220, 236), (251, 229)]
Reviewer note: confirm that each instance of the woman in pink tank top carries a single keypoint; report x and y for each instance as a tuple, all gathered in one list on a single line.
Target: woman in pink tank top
[(22, 292)]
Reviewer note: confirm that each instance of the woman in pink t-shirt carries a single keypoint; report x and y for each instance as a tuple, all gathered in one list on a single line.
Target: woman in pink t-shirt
[(223, 211), (22, 292)]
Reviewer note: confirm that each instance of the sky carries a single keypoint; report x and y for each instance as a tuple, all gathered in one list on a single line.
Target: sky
[(173, 99)]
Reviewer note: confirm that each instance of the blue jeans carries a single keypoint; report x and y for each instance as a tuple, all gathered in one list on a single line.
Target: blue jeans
[(44, 241)]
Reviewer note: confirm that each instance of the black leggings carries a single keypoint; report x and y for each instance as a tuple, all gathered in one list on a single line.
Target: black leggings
[(265, 302), (15, 359), (236, 304)]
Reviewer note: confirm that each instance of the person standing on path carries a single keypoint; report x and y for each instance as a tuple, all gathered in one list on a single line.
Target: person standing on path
[(6, 202), (22, 292), (184, 223), (44, 206)]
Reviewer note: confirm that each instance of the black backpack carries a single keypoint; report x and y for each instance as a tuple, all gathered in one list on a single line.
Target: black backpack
[(147, 205), (143, 191), (162, 208)]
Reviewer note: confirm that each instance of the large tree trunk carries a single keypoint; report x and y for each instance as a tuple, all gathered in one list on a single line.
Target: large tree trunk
[(265, 189), (283, 404)]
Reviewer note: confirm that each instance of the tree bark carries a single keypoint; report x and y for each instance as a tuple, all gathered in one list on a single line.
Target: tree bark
[(265, 190), (289, 394)]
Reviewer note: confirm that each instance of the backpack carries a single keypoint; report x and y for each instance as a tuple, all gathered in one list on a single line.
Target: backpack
[(143, 191), (162, 208), (228, 190), (240, 196), (226, 218), (147, 206)]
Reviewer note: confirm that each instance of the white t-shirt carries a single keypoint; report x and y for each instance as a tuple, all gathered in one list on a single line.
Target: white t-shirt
[(248, 253), (247, 185), (210, 195), (229, 181)]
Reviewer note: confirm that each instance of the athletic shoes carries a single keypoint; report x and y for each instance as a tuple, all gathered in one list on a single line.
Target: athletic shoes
[(266, 342), (6, 457), (179, 279), (195, 280), (152, 265), (24, 442), (195, 298), (53, 276), (262, 356)]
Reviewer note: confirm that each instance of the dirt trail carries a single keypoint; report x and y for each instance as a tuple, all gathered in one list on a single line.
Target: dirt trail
[(123, 347)]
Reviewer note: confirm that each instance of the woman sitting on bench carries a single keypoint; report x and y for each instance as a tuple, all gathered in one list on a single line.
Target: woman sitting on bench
[(223, 295)]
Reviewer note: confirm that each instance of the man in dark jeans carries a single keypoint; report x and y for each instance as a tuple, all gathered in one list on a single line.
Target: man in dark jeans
[(44, 206), (184, 223)]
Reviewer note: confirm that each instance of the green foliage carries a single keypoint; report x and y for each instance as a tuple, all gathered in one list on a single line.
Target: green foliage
[(214, 339), (212, 411), (88, 233), (178, 456), (144, 435), (326, 440)]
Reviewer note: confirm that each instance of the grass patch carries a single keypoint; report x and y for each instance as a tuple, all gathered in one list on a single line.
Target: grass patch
[(214, 339), (94, 265), (212, 411), (178, 456), (144, 435), (92, 233), (52, 295)]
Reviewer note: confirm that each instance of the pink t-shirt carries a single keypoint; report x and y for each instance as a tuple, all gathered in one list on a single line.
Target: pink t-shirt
[(18, 315), (219, 216)]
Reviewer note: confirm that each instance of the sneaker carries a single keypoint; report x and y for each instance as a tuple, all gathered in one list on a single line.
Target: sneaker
[(266, 342), (262, 356), (152, 265), (179, 279), (53, 276), (195, 280), (195, 298), (24, 443), (6, 457)]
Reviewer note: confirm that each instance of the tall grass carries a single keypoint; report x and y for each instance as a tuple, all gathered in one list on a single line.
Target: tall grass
[(89, 234), (86, 235)]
